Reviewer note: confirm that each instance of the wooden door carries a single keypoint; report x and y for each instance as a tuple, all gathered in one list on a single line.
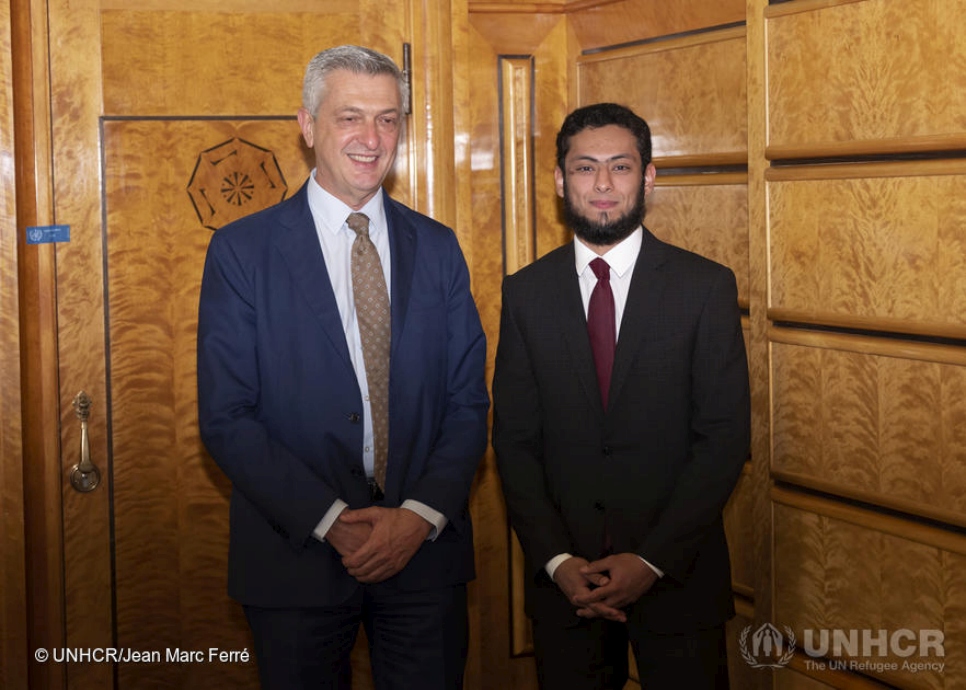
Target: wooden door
[(169, 119)]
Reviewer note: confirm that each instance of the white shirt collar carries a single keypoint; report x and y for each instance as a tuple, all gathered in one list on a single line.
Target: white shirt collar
[(330, 213), (620, 258)]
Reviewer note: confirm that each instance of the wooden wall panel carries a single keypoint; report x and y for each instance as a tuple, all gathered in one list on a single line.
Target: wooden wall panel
[(707, 214), (13, 607), (889, 242), (796, 676), (740, 530), (691, 91), (862, 77), (742, 676), (608, 24), (882, 429), (756, 341), (838, 567), (517, 71), (154, 71), (865, 259)]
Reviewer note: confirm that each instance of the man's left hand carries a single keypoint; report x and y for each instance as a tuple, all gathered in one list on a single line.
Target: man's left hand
[(397, 533), (630, 578)]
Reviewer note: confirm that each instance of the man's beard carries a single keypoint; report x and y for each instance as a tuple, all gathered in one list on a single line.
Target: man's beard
[(606, 233)]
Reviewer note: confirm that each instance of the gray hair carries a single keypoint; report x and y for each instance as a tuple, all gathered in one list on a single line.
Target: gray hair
[(354, 59)]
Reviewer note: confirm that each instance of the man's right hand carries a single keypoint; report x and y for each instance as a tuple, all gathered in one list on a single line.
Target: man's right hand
[(346, 537), (575, 585)]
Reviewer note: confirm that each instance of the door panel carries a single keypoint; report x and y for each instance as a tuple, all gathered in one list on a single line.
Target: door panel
[(170, 499)]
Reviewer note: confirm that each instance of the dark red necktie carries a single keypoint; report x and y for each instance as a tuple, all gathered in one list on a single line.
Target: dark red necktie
[(602, 326)]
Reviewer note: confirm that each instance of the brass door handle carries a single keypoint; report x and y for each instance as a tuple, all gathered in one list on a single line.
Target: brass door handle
[(84, 476)]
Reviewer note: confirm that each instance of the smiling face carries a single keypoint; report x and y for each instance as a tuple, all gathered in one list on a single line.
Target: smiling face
[(354, 134), (603, 185)]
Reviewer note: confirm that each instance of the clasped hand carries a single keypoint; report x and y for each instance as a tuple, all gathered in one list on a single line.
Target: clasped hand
[(602, 588), (376, 543)]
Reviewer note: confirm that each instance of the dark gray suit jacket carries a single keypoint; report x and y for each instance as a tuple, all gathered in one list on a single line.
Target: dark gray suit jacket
[(660, 463)]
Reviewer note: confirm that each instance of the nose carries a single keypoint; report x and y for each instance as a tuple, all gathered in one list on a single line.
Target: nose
[(370, 134), (602, 182)]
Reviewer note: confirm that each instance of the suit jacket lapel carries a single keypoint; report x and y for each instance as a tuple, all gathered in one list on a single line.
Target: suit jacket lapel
[(643, 300), (402, 249), (573, 321), (299, 245)]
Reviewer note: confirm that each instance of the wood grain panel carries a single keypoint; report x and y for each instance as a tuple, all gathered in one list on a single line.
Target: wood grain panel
[(519, 249), (796, 676), (756, 339), (740, 530), (13, 588), (170, 499), (36, 272), (80, 343), (516, 79), (881, 429), (275, 6), (879, 80), (492, 38), (709, 219), (602, 24), (834, 572), (151, 69), (891, 249), (692, 92), (742, 675)]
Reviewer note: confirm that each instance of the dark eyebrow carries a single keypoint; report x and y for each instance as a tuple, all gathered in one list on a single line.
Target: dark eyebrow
[(619, 156)]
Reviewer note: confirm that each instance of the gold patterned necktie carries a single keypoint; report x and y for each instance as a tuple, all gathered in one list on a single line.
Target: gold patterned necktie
[(372, 312)]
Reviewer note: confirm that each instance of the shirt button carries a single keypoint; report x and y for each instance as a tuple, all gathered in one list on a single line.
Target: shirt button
[(367, 449)]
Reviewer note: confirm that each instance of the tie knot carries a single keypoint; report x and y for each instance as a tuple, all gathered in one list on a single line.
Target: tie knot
[(601, 269), (358, 223)]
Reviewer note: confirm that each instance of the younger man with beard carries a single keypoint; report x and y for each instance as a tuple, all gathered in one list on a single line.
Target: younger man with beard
[(621, 425)]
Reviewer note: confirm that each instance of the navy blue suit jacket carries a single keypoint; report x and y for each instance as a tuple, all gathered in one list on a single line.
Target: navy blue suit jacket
[(280, 409)]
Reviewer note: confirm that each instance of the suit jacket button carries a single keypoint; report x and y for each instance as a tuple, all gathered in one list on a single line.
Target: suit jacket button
[(606, 450), (353, 417), (598, 505)]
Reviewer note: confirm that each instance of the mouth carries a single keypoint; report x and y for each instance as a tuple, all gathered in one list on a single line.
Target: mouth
[(363, 158), (603, 205)]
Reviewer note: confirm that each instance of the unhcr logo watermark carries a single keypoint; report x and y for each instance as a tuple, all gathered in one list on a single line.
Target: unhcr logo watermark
[(845, 650)]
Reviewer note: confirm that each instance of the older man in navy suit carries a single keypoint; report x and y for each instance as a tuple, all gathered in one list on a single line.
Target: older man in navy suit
[(341, 390), (621, 425)]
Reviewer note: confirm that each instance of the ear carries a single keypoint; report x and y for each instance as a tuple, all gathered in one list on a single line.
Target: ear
[(650, 172), (306, 123), (558, 178)]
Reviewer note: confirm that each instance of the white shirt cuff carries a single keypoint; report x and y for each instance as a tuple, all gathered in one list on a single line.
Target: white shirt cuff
[(658, 571), (555, 562), (331, 515), (433, 517)]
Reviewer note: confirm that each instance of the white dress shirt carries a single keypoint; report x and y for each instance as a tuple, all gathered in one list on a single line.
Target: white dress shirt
[(336, 239)]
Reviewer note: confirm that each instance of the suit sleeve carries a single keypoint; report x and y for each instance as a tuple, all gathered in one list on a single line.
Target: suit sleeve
[(720, 433), (518, 441), (284, 489), (459, 444)]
